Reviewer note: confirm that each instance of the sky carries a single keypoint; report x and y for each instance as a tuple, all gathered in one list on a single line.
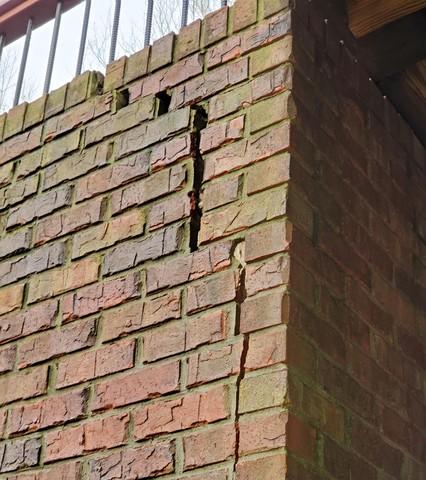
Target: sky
[(131, 34)]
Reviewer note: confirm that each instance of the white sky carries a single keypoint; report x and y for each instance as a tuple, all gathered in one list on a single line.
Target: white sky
[(131, 34)]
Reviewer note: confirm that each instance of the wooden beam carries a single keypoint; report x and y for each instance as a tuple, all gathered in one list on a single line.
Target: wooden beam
[(395, 47), (366, 16)]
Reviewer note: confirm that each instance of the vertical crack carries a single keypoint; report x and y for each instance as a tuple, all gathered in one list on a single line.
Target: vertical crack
[(200, 122)]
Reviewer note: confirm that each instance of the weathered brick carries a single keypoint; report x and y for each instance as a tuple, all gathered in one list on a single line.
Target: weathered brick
[(77, 165), (267, 240), (95, 435), (114, 76), (271, 56), (215, 475), (56, 226), (213, 364), (50, 412), (269, 173), (95, 363), (6, 174), (35, 112), (172, 209), (245, 14), (118, 174), (54, 282), (18, 454), (224, 52), (188, 40), (212, 446), (36, 261), (40, 206), (245, 152), (55, 102), (266, 275), (267, 32), (219, 134), (301, 438), (264, 311), (18, 192), (272, 82), (11, 298), (14, 120), (142, 462), (137, 65), (265, 390), (243, 214), (20, 144), (208, 328), (138, 315), (54, 343), (82, 87), (23, 385), (162, 52), (270, 467), (170, 152), (266, 348), (130, 224), (21, 324), (229, 102), (189, 411), (149, 382), (29, 163), (215, 26), (124, 119), (153, 132), (191, 267), (270, 111), (58, 149), (260, 433), (100, 296), (3, 420), (209, 84), (7, 358), (63, 471), (212, 291), (15, 243), (216, 194), (274, 6), (134, 252)]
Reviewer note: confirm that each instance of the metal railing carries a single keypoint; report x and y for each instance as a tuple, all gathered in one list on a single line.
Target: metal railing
[(19, 18)]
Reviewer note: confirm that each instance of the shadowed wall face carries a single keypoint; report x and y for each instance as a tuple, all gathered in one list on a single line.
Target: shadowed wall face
[(210, 268)]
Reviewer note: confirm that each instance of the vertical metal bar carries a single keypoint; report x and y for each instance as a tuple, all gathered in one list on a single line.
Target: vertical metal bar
[(148, 27), (53, 45), (83, 37), (185, 8), (2, 40), (114, 33), (23, 62), (224, 3)]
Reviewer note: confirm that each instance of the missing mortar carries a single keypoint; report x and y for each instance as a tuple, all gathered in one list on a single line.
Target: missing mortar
[(164, 100), (199, 123)]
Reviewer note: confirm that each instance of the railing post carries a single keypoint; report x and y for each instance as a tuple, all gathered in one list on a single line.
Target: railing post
[(148, 27), (83, 37), (53, 45), (114, 33), (185, 8), (23, 62), (2, 39)]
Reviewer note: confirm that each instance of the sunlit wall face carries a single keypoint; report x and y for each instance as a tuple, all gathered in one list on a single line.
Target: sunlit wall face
[(166, 18)]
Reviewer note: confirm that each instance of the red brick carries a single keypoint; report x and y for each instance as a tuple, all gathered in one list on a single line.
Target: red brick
[(142, 462), (7, 358), (212, 446), (72, 221), (54, 282), (99, 434), (216, 194), (209, 365), (215, 26), (191, 267), (23, 385), (137, 65), (264, 311), (3, 420), (53, 411), (266, 275), (267, 240), (190, 411), (137, 315), (11, 298), (15, 243), (218, 134), (114, 75), (18, 454), (266, 348), (245, 152), (101, 296), (64, 471), (172, 209), (165, 154), (269, 31), (272, 55), (208, 328), (20, 144), (149, 382), (162, 52), (224, 52), (18, 191), (259, 433), (273, 82), (211, 292), (95, 363), (188, 40), (274, 6), (54, 343), (20, 324), (301, 438), (216, 475), (245, 14), (272, 467), (229, 102)]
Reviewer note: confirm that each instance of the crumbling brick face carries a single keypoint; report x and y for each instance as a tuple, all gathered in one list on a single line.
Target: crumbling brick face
[(287, 343)]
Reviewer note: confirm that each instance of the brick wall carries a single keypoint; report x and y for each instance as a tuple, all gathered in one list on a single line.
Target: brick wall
[(212, 264)]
